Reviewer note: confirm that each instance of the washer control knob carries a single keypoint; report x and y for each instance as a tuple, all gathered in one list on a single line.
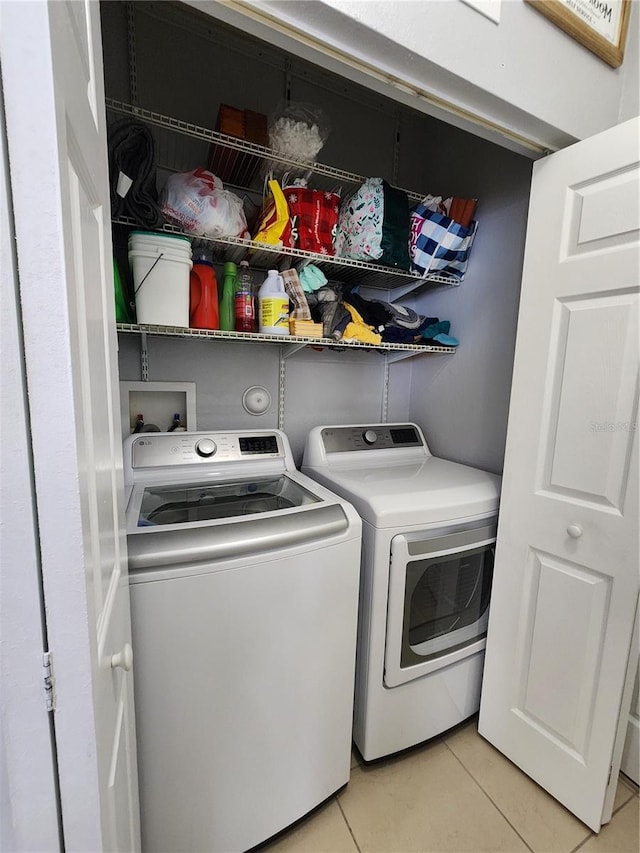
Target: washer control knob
[(205, 447), (370, 436)]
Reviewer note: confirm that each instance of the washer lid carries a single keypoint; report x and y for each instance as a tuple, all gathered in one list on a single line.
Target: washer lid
[(411, 493), (184, 503)]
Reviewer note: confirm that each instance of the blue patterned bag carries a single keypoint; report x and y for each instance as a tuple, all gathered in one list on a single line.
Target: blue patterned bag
[(438, 244)]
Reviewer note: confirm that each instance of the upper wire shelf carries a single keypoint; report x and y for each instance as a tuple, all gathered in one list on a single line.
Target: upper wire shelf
[(245, 149), (261, 255), (246, 159)]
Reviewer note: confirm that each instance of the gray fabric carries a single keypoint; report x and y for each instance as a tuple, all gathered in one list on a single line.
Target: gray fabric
[(132, 151)]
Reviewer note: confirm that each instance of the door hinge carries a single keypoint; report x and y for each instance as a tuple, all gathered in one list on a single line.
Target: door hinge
[(49, 691)]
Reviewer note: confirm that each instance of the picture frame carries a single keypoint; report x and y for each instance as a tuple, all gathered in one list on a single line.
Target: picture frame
[(599, 25)]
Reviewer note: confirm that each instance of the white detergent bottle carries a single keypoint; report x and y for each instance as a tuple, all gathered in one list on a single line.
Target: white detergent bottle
[(273, 303)]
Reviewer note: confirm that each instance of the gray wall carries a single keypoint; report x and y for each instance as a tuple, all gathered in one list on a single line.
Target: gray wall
[(462, 402)]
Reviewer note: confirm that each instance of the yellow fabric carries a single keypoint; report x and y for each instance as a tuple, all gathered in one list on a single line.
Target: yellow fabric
[(358, 330)]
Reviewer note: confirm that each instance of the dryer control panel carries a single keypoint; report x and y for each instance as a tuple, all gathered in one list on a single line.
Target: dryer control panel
[(370, 437)]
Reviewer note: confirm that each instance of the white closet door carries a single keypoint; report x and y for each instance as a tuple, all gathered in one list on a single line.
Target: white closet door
[(53, 87), (566, 576)]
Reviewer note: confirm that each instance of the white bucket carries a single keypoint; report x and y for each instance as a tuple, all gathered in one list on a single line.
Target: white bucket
[(161, 264)]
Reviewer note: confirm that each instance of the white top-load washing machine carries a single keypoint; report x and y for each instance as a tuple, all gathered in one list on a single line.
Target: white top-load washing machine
[(429, 529), (244, 596)]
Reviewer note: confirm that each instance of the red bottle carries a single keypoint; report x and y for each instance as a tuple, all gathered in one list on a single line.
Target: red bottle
[(204, 312), (244, 300)]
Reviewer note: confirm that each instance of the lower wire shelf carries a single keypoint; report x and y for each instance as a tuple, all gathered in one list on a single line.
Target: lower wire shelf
[(286, 340)]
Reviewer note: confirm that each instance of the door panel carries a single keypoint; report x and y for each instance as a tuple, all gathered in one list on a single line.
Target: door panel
[(51, 56), (566, 573), (562, 646), (587, 390)]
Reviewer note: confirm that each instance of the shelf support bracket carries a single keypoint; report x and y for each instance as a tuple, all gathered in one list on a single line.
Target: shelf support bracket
[(281, 389), (291, 349), (392, 357), (384, 414), (286, 351), (131, 54), (144, 357)]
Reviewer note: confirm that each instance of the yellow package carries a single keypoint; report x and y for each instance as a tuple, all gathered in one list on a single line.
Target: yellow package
[(275, 222)]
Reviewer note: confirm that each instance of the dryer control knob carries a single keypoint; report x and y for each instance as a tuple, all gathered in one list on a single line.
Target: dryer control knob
[(205, 447), (370, 436)]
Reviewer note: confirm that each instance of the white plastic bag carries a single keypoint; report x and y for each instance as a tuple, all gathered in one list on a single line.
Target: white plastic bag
[(198, 203), (298, 130)]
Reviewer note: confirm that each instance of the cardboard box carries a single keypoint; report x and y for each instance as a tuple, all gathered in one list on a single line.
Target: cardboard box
[(236, 167)]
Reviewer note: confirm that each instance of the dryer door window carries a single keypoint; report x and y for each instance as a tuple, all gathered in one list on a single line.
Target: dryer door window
[(438, 605), (446, 604)]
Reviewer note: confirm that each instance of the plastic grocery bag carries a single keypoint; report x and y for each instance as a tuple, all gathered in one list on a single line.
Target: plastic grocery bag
[(199, 204)]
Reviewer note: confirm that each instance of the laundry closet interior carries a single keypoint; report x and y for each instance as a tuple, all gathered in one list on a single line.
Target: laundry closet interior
[(178, 66)]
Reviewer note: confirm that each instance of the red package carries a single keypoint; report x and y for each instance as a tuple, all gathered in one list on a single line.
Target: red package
[(314, 218)]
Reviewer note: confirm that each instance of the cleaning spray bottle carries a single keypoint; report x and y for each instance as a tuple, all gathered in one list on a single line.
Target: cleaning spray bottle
[(227, 300), (273, 302)]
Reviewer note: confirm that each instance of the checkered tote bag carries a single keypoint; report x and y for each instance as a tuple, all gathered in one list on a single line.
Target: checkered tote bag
[(438, 243)]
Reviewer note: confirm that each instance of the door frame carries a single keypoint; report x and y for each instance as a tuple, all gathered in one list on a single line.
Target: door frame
[(48, 151), (29, 757)]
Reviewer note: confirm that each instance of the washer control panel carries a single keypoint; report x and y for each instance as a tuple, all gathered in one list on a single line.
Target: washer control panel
[(373, 437), (157, 450)]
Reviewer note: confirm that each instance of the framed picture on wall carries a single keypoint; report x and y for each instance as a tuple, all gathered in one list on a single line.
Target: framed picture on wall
[(599, 25)]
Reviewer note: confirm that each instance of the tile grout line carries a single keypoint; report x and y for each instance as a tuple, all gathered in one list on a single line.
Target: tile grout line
[(583, 842), (613, 813), (348, 824), (628, 800), (629, 784), (494, 804)]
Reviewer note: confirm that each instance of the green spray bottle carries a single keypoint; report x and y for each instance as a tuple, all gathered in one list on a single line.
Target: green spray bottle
[(227, 301)]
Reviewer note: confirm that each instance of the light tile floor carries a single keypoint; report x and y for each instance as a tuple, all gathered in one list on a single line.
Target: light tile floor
[(456, 793)]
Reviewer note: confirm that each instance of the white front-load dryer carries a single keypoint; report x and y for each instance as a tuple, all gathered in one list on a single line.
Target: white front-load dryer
[(429, 529)]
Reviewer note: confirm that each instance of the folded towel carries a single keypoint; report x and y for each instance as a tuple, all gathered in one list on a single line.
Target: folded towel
[(312, 278), (293, 287), (437, 334), (132, 173)]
